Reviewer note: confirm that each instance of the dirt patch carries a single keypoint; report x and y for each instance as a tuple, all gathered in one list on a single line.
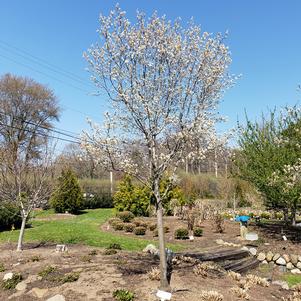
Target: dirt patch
[(102, 274)]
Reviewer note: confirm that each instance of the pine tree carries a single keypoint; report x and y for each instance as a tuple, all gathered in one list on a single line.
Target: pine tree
[(68, 195)]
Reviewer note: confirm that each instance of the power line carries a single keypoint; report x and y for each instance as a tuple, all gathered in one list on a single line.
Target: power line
[(45, 74), (42, 62)]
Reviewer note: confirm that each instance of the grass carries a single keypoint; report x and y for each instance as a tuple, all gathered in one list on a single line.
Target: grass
[(292, 279), (83, 229)]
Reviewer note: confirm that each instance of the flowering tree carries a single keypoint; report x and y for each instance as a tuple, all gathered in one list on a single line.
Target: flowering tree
[(164, 82)]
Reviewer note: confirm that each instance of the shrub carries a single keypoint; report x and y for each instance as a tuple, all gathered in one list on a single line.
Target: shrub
[(132, 198), (197, 231), (110, 252), (92, 201), (154, 274), (181, 233), (123, 295), (219, 223), (46, 271), (9, 216), (118, 226), (2, 268), (129, 227), (115, 246), (140, 223), (211, 296), (12, 283), (70, 277), (265, 215), (68, 195), (92, 253), (126, 216), (152, 227), (279, 215), (35, 258), (114, 220), (140, 231), (165, 229)]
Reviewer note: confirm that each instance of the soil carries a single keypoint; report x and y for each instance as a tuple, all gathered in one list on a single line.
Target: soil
[(101, 275)]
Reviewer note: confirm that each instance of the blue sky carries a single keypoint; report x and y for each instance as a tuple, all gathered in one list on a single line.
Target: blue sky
[(264, 38)]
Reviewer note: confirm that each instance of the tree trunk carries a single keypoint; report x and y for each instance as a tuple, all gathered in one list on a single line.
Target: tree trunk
[(164, 285), (21, 235)]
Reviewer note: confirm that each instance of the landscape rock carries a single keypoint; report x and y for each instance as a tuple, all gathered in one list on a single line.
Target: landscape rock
[(252, 236), (281, 261), (276, 256), (38, 292), (299, 258), (261, 256), (289, 266), (283, 284), (253, 251), (295, 271), (8, 276), (286, 257), (21, 286), (294, 259), (151, 249), (269, 256), (61, 248), (56, 298), (244, 248), (219, 241), (298, 265), (265, 262)]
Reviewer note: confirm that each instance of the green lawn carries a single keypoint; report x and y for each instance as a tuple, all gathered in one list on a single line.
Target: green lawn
[(84, 229), (292, 279)]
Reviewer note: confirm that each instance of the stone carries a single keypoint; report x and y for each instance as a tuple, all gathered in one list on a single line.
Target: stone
[(244, 248), (261, 256), (276, 256), (61, 248), (31, 278), (283, 284), (286, 257), (289, 266), (21, 286), (151, 249), (299, 265), (251, 236), (38, 292), (269, 256), (253, 251), (219, 241), (56, 298), (281, 261), (299, 258), (294, 259), (295, 271), (265, 262), (282, 268), (8, 276)]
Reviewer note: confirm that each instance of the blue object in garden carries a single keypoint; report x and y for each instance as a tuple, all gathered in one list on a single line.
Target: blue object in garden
[(242, 218)]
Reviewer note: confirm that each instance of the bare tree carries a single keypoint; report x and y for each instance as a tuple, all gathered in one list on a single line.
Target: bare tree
[(27, 110), (164, 82)]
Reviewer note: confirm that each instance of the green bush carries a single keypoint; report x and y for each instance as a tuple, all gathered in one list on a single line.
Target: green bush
[(114, 220), (68, 195), (9, 216), (197, 231), (140, 231), (132, 198), (265, 215), (46, 271), (128, 227), (181, 233), (91, 201), (97, 193), (2, 267), (123, 295), (126, 216), (115, 246), (118, 226), (279, 215), (70, 277), (12, 283)]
